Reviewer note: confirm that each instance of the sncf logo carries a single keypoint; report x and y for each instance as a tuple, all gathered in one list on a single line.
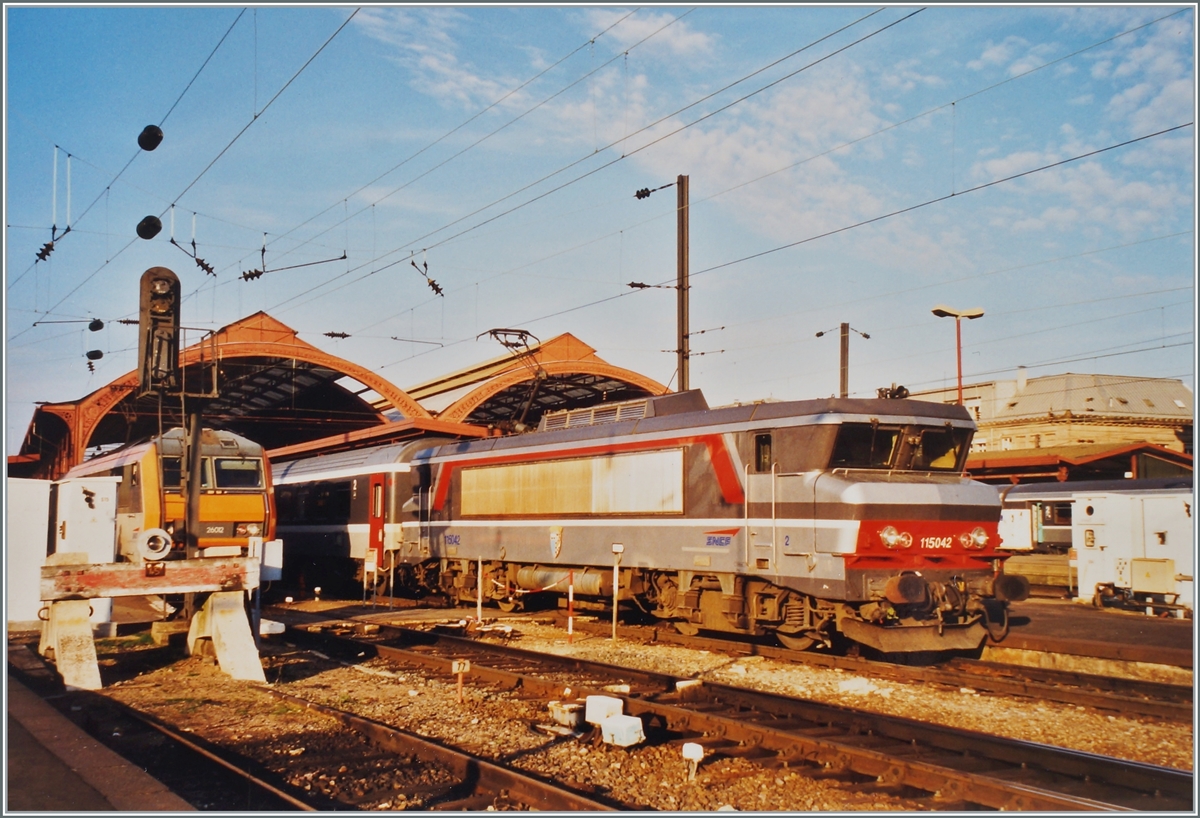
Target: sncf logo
[(719, 539)]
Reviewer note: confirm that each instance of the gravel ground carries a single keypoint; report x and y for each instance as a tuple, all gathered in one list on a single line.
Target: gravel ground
[(1078, 728), (194, 694)]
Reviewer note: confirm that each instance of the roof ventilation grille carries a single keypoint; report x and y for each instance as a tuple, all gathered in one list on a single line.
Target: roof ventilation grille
[(594, 415)]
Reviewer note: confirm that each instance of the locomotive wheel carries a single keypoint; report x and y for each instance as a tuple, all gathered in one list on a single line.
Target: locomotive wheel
[(686, 628), (795, 641), (511, 604)]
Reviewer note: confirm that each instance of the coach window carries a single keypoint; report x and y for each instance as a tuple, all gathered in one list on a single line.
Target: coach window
[(762, 453), (329, 503), (287, 507)]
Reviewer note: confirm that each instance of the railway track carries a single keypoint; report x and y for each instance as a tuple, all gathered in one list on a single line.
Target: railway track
[(359, 764), (1126, 696), (924, 764)]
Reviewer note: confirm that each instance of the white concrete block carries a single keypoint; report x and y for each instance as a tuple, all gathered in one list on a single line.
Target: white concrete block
[(601, 707), (622, 730), (568, 714)]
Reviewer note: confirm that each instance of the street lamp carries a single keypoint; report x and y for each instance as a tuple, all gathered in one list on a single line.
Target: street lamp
[(942, 311)]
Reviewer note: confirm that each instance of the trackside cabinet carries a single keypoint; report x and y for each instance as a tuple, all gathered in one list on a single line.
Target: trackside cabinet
[(86, 521), (1137, 547), (26, 543)]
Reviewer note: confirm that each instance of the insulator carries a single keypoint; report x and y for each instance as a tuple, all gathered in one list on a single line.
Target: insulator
[(94, 354), (150, 137), (643, 193), (96, 325), (46, 250), (250, 275), (149, 227)]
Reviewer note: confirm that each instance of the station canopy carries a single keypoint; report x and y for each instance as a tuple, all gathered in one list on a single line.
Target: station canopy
[(294, 398)]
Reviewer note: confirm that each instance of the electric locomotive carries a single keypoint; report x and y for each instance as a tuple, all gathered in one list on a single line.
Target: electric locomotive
[(815, 521), (235, 495)]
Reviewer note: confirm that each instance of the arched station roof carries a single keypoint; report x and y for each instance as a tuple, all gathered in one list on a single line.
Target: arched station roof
[(272, 387), (512, 392), (292, 397)]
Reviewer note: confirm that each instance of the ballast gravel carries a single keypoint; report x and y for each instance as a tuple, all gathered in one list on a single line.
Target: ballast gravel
[(194, 694)]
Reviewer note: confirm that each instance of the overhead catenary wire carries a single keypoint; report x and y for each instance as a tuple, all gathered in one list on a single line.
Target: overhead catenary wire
[(458, 128), (208, 167), (1006, 80), (891, 126), (139, 151), (874, 220), (603, 166)]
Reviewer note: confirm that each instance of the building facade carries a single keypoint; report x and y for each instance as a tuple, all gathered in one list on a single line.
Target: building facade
[(1074, 410)]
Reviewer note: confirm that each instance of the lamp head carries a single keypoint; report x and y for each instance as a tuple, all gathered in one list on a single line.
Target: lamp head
[(942, 311)]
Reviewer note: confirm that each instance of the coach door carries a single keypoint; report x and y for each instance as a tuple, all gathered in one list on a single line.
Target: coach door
[(375, 515)]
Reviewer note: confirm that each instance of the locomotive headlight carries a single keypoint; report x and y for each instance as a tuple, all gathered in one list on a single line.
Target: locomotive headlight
[(247, 530), (977, 539), (892, 538)]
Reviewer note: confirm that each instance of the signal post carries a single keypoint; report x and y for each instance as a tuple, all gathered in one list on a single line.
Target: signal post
[(69, 580)]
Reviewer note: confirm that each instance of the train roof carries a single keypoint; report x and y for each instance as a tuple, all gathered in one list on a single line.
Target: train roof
[(688, 410), (355, 461), (1033, 491), (171, 444)]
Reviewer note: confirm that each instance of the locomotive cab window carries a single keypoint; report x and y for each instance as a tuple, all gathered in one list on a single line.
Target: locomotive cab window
[(762, 453), (864, 446), (238, 473), (172, 473), (939, 449)]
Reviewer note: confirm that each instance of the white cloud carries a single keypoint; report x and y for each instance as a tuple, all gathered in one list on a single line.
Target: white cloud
[(1087, 194), (904, 76), (677, 39), (423, 42), (1015, 54), (996, 54), (1171, 106)]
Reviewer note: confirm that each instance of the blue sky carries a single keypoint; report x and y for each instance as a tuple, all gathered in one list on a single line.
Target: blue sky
[(845, 164)]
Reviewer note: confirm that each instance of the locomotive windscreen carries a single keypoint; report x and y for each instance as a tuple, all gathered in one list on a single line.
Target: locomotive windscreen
[(864, 446), (910, 448)]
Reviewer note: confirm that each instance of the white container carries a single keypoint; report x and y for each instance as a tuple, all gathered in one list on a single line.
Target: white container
[(25, 546), (622, 730), (86, 522), (568, 714), (600, 708)]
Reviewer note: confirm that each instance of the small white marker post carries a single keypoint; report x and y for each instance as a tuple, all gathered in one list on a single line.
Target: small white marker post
[(570, 606), (479, 594), (460, 666), (617, 550), (693, 754)]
